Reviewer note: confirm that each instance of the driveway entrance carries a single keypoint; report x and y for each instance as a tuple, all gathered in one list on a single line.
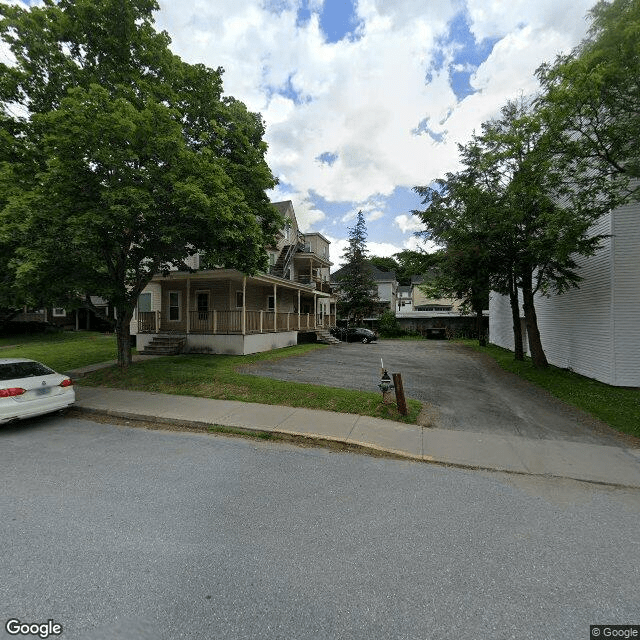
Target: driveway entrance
[(460, 388)]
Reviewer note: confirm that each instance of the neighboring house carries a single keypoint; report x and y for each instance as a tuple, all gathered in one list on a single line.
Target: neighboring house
[(80, 318), (421, 302), (593, 330), (386, 288), (432, 315), (223, 311), (404, 299)]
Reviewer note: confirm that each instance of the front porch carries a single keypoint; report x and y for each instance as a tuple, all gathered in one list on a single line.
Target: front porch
[(223, 311)]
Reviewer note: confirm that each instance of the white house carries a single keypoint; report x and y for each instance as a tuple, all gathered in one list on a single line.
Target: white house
[(593, 330)]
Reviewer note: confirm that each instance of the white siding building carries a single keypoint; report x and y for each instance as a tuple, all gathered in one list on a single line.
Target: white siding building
[(593, 330)]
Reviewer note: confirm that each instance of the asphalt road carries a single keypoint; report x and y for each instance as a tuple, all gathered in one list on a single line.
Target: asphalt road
[(127, 534), (461, 388)]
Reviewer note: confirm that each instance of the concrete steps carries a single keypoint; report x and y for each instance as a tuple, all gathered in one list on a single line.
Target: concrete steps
[(165, 346), (325, 337)]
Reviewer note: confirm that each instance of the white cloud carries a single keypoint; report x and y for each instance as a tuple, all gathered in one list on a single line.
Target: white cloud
[(361, 99), (408, 224)]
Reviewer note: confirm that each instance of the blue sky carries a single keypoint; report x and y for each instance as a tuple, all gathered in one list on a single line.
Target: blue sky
[(365, 99)]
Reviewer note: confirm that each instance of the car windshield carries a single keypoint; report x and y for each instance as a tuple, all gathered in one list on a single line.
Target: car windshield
[(14, 370)]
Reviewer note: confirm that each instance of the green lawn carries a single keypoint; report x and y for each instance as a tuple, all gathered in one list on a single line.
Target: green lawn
[(215, 376), (619, 407), (61, 350)]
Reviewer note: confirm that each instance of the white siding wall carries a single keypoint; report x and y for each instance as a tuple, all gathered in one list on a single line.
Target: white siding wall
[(500, 323), (576, 327), (593, 330), (626, 295)]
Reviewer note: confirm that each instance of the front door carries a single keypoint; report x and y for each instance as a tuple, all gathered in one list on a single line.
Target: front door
[(202, 304)]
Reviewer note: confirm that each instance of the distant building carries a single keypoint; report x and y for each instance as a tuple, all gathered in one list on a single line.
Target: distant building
[(386, 286)]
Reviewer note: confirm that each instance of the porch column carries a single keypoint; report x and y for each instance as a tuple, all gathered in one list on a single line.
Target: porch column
[(188, 300), (244, 305), (298, 309), (275, 307), (315, 310)]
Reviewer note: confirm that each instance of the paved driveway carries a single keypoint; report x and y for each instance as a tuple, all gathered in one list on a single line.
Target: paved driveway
[(461, 389)]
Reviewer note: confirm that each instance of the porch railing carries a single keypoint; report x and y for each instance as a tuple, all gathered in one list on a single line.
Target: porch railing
[(230, 322), (224, 322), (148, 321)]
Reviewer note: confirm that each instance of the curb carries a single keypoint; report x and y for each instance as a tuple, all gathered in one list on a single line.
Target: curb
[(324, 441)]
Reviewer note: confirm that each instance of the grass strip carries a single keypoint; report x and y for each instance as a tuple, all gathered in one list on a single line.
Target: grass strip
[(62, 350), (215, 376), (619, 407)]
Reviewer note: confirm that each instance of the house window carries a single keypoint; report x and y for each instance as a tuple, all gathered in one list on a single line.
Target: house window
[(144, 302), (239, 300), (59, 312), (271, 303), (174, 305)]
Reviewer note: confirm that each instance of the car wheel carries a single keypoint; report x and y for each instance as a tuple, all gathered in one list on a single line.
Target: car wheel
[(365, 340)]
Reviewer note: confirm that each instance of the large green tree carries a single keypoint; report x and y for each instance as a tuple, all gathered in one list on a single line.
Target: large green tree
[(516, 215), (459, 218), (592, 101), (129, 159), (357, 292)]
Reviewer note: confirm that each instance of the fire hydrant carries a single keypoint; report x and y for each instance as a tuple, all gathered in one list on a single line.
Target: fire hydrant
[(386, 387)]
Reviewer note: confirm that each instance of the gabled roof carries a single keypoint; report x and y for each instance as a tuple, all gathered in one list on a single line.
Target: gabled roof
[(376, 274), (283, 206)]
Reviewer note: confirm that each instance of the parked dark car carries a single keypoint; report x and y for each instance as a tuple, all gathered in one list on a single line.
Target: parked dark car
[(354, 334)]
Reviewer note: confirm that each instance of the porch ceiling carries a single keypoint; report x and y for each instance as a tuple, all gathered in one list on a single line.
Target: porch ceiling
[(237, 276)]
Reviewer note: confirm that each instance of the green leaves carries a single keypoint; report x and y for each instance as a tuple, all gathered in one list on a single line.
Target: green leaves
[(126, 155), (590, 101), (357, 294)]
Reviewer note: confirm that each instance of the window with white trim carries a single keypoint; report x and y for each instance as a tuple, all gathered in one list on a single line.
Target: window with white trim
[(174, 305), (144, 302)]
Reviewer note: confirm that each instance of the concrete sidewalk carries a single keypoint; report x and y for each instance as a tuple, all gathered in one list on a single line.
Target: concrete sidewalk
[(557, 458)]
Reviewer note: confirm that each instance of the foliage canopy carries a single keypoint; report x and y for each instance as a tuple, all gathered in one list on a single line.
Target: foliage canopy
[(118, 159)]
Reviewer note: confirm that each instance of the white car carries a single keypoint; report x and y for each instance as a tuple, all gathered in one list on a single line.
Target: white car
[(29, 388)]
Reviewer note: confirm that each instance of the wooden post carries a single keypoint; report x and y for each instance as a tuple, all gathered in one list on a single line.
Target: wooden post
[(275, 308), (189, 305), (400, 399), (244, 305)]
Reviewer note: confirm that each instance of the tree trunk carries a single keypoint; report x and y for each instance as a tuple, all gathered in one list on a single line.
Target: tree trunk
[(535, 343), (517, 327), (123, 336), (482, 341)]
